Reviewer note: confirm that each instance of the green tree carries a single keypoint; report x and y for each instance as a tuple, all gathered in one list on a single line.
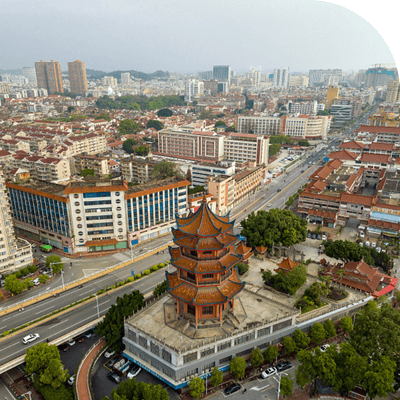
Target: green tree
[(329, 328), (56, 264), (133, 390), (112, 326), (313, 366), (350, 367), (242, 267), (160, 289), (271, 353), (128, 145), (128, 127), (165, 112), (256, 358), (216, 377), (273, 149), (286, 386), (141, 150), (301, 340), (274, 227), (196, 387), (104, 116), (304, 143), (377, 332), (28, 282), (165, 169), (237, 367), (197, 189), (288, 345), (317, 333), (38, 357), (158, 125), (379, 378), (70, 109), (231, 128), (55, 374), (346, 323), (13, 285), (87, 171), (219, 123), (43, 278), (288, 282)]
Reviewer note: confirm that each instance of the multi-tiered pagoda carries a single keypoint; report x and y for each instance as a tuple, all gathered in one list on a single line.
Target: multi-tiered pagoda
[(206, 281)]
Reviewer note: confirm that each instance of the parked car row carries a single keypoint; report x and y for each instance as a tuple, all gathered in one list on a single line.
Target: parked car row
[(86, 335), (318, 236), (120, 366)]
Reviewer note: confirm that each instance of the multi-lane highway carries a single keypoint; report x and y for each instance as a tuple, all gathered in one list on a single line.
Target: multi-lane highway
[(266, 198)]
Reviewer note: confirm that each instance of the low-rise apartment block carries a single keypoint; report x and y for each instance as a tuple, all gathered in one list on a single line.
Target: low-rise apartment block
[(306, 126), (135, 169), (100, 165), (262, 125), (99, 215), (242, 147), (14, 253), (200, 172)]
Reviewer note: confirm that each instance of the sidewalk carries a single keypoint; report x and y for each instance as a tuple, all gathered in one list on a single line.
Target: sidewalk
[(5, 393), (83, 375)]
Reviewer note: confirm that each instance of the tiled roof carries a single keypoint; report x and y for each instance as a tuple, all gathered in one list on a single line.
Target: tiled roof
[(287, 264), (357, 199), (353, 145), (382, 146), (376, 158), (343, 155), (378, 129)]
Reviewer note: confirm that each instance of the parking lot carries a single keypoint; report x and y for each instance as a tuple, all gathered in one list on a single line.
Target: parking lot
[(102, 386)]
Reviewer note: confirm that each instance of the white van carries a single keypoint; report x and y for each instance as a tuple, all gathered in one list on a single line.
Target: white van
[(36, 282)]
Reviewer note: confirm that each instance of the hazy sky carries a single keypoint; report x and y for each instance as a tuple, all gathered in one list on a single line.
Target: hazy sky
[(191, 35)]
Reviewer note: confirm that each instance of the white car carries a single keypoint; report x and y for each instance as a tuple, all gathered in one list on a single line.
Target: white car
[(361, 244), (109, 353), (378, 249), (30, 338), (324, 347), (71, 380), (268, 372), (362, 234), (71, 342), (323, 237), (373, 245), (367, 243), (134, 370)]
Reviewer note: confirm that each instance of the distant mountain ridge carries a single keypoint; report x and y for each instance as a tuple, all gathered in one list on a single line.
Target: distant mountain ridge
[(92, 73)]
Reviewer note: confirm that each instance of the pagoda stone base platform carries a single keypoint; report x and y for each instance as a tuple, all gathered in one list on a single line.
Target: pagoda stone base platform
[(205, 329)]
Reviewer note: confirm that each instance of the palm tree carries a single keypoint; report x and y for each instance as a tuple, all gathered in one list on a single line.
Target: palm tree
[(340, 275)]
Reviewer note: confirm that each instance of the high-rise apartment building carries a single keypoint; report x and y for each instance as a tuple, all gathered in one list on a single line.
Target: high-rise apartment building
[(77, 77), (281, 77), (222, 73), (298, 80), (254, 75), (194, 90), (14, 253), (331, 95), (30, 74), (125, 78), (392, 93), (319, 76), (49, 76), (380, 76), (109, 81)]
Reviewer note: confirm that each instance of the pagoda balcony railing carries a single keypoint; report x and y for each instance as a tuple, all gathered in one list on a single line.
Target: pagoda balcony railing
[(202, 258), (200, 283)]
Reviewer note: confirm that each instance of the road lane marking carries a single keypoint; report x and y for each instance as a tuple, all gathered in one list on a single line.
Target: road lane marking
[(260, 388), (45, 309), (100, 304), (51, 327), (11, 345)]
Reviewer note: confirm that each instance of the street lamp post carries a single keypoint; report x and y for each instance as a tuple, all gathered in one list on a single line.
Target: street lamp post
[(279, 382), (62, 273)]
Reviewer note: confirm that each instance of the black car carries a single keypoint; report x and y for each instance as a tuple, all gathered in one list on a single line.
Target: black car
[(113, 377), (232, 388), (65, 347), (278, 190), (80, 339), (283, 365), (111, 362), (313, 236)]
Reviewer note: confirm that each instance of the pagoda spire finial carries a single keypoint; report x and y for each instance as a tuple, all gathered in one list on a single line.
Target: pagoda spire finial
[(204, 198)]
